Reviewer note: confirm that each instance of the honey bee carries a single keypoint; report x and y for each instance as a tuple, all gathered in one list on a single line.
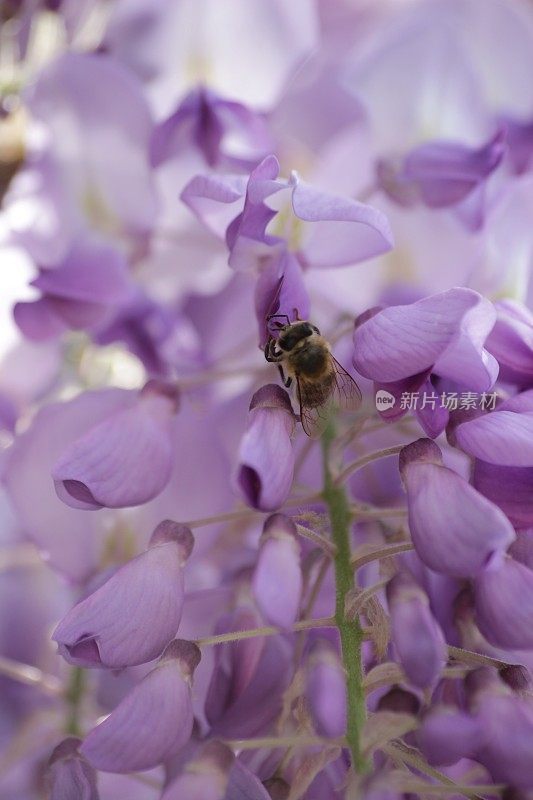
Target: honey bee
[(304, 357)]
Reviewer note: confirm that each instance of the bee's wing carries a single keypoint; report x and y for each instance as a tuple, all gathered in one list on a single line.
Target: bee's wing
[(342, 393), (347, 394)]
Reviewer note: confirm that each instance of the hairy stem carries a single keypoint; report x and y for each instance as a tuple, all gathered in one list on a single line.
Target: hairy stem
[(267, 630), (351, 632)]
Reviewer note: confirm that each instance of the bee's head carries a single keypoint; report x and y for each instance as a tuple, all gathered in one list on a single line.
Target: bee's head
[(293, 333)]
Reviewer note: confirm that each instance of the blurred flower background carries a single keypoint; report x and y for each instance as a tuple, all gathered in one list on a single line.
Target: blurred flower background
[(354, 615)]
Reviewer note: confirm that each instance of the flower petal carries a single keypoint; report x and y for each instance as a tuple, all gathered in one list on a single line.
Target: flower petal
[(510, 488), (266, 456), (326, 690), (125, 460), (152, 722), (341, 231), (444, 333), (417, 637), (447, 735), (500, 437), (504, 603), (454, 528), (277, 581), (69, 775), (133, 616)]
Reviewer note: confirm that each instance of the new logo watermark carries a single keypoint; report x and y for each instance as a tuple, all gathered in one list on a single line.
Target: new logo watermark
[(384, 400)]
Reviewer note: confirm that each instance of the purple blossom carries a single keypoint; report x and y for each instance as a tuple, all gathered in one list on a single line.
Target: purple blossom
[(114, 626), (171, 175), (326, 690), (440, 174), (277, 581), (417, 638), (266, 458), (455, 529), (153, 721), (69, 775), (107, 466), (226, 133), (330, 231), (504, 599)]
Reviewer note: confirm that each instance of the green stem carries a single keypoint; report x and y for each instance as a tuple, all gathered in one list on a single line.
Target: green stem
[(351, 632), (73, 697)]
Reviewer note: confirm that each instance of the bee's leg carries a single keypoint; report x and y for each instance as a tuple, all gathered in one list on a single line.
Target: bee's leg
[(287, 381), (270, 352)]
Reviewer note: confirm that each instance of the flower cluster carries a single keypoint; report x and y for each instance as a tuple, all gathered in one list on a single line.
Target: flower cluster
[(266, 399)]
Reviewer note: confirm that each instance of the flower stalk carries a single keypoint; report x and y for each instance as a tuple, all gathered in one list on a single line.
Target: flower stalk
[(351, 632)]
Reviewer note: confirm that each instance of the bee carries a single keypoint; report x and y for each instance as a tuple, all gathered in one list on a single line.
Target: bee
[(304, 357)]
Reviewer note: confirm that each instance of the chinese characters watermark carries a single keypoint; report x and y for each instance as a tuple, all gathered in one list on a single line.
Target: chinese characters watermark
[(452, 401)]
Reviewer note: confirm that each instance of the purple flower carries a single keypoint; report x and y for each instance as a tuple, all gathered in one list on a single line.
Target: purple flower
[(417, 638), (400, 347), (69, 775), (101, 184), (248, 681), (280, 289), (277, 580), (226, 132), (205, 777), (325, 230), (506, 722), (134, 615), (503, 437), (519, 138), (448, 734), (454, 528), (440, 173), (81, 292), (326, 690), (266, 458), (510, 488), (153, 721), (511, 342), (504, 602), (442, 334), (125, 460)]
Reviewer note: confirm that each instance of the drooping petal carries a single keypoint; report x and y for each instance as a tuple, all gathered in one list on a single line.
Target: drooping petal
[(72, 541), (125, 460), (443, 333), (326, 690), (504, 603), (280, 289), (153, 721), (248, 681), (215, 199), (277, 581), (454, 528), (225, 132), (339, 231), (500, 437), (266, 458), (507, 723), (443, 173), (448, 734), (134, 615), (511, 342), (510, 488), (69, 776), (417, 637)]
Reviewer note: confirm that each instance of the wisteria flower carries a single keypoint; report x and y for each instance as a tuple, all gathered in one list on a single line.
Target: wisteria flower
[(114, 626)]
